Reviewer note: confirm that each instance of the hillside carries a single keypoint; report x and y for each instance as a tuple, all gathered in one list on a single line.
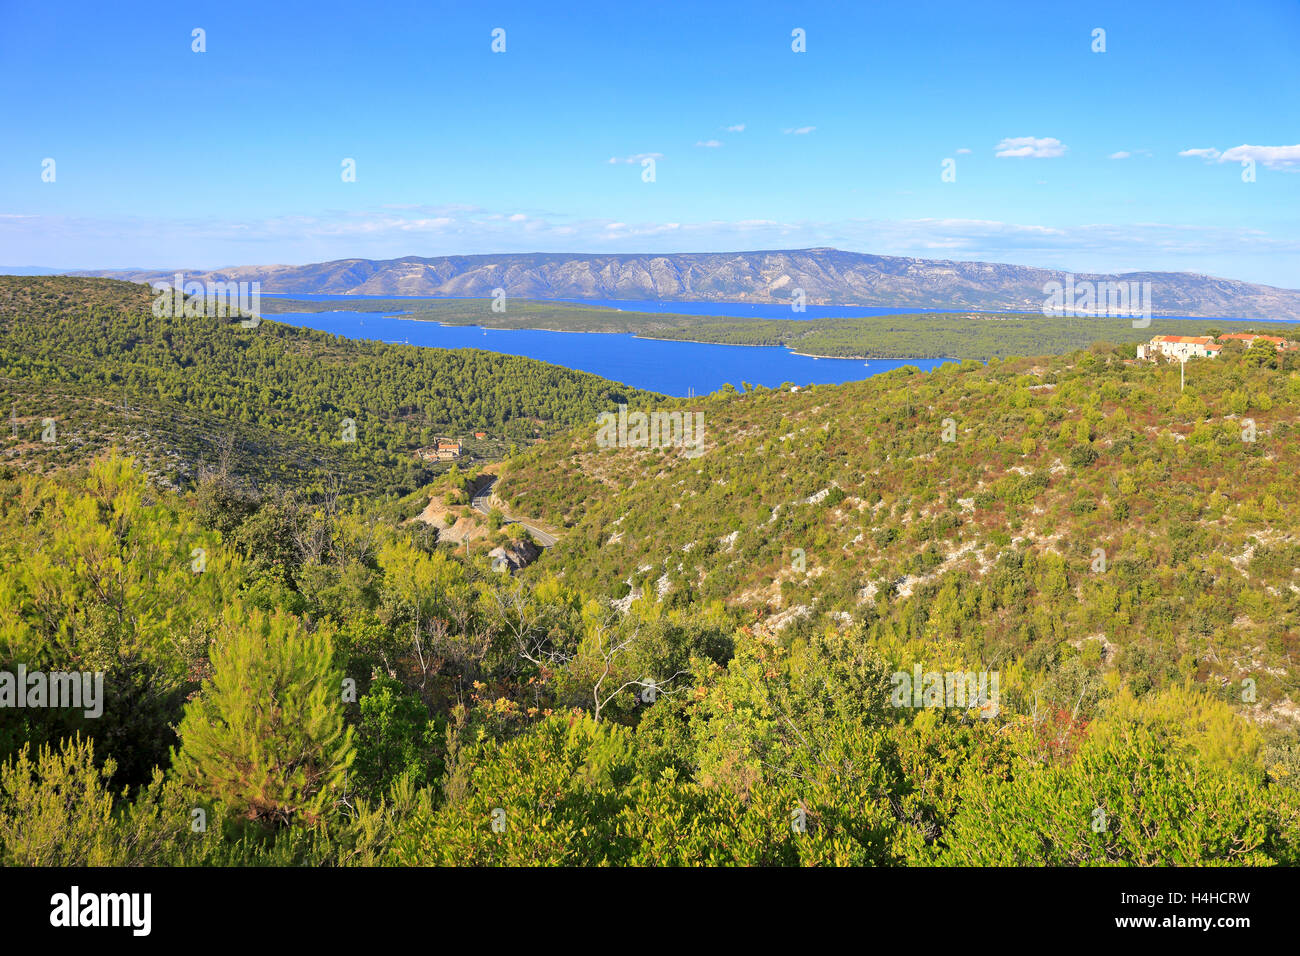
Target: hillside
[(267, 403), (827, 276), (984, 545), (1039, 612)]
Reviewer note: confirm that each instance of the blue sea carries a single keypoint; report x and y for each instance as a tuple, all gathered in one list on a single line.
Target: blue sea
[(672, 368)]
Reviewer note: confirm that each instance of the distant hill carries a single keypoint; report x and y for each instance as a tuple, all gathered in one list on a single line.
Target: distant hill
[(30, 271), (827, 277)]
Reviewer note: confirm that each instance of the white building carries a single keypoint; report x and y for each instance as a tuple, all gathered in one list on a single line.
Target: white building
[(1179, 347)]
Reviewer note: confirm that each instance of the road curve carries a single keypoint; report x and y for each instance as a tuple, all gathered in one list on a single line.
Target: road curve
[(480, 504)]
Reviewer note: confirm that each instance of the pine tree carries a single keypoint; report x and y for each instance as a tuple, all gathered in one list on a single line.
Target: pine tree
[(266, 735)]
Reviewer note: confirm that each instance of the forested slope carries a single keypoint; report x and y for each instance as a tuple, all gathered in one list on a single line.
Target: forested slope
[(971, 335), (271, 401)]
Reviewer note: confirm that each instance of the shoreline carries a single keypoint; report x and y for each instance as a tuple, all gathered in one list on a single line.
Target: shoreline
[(636, 335)]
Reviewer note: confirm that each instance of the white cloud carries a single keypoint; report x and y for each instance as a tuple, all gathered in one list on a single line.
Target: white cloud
[(1122, 154), (636, 157), (963, 151), (1274, 157), (800, 130), (738, 128), (1028, 147), (1284, 158), (709, 143)]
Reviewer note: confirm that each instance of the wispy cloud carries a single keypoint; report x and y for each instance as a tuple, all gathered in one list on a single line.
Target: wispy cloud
[(738, 128), (636, 157), (709, 143), (963, 151), (800, 130), (1029, 147), (1122, 154), (1286, 158)]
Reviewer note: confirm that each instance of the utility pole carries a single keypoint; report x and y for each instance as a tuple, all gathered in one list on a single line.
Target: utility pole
[(1182, 372)]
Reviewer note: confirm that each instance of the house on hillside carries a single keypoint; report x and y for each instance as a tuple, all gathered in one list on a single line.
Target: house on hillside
[(1179, 347), (442, 451)]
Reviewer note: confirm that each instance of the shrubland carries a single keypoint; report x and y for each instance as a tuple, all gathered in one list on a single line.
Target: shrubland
[(703, 670)]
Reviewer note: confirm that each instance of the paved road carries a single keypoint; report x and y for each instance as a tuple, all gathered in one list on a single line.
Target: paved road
[(480, 504)]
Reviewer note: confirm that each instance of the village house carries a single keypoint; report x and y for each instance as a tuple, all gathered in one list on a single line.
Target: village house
[(1179, 347), (442, 451), (1183, 347)]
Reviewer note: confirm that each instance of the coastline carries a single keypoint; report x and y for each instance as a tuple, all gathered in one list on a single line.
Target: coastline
[(636, 335)]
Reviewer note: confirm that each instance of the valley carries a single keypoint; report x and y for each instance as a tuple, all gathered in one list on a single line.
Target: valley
[(602, 637)]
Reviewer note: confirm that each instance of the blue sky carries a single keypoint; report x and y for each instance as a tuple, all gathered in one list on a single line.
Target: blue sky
[(169, 158)]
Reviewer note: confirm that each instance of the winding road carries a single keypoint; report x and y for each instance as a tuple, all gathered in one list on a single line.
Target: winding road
[(480, 504)]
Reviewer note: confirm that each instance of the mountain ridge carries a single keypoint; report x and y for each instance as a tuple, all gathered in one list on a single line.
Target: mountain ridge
[(827, 276)]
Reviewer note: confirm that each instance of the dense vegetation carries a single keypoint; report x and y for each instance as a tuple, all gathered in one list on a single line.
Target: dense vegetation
[(267, 402), (979, 336), (988, 539), (703, 670)]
